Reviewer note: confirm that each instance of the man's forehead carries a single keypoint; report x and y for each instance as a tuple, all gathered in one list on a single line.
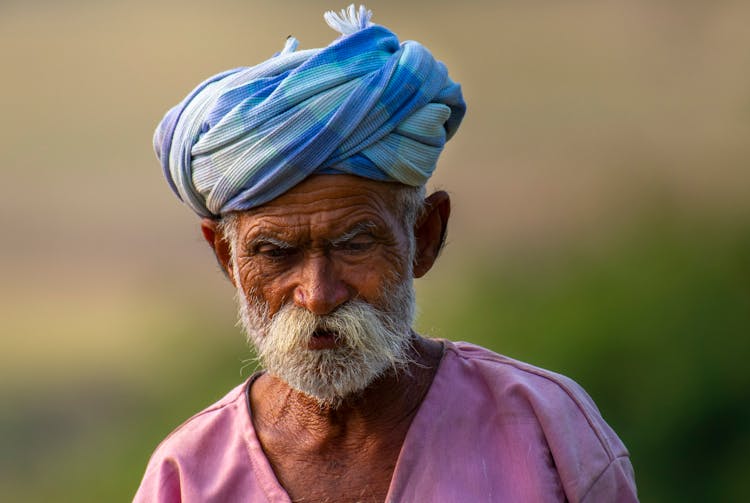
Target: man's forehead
[(338, 202)]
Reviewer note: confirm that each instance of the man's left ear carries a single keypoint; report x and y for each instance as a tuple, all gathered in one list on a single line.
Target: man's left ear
[(430, 231)]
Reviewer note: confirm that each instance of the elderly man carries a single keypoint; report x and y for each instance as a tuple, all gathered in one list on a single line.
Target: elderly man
[(309, 173)]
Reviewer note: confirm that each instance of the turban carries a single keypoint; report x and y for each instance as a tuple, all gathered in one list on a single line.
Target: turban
[(365, 105)]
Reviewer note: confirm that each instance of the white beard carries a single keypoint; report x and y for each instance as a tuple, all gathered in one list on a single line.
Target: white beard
[(372, 342)]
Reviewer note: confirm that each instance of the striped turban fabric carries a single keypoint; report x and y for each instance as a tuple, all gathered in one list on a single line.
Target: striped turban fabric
[(365, 105)]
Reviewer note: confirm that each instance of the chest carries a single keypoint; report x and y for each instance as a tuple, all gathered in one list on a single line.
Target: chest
[(362, 474)]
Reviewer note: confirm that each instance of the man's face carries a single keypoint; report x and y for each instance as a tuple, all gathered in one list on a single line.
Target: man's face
[(324, 282)]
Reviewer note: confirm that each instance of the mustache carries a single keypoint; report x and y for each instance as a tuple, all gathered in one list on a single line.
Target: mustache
[(360, 326)]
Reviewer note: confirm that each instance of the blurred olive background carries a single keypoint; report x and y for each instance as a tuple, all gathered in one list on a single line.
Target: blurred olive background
[(601, 225)]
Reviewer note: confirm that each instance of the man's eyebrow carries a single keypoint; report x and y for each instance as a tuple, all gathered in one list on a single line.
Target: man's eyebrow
[(359, 228), (264, 239)]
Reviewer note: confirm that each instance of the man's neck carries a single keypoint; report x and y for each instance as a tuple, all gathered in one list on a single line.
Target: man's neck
[(364, 432)]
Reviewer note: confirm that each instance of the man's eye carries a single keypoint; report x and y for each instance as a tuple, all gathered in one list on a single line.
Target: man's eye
[(275, 252)]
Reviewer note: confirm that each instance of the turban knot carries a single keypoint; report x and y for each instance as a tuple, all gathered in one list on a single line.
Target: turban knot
[(365, 105)]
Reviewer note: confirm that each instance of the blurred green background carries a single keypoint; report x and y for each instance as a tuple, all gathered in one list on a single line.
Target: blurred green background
[(601, 226)]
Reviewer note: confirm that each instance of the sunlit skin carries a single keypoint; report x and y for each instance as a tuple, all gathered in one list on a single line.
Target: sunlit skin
[(331, 239)]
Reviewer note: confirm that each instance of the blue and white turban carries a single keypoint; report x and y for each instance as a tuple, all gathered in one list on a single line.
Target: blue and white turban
[(365, 105)]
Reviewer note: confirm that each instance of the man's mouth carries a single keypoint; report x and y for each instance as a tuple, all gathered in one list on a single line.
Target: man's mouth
[(323, 339)]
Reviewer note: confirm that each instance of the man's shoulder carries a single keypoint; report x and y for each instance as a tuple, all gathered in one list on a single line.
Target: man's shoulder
[(508, 374), (209, 430), (510, 390), (203, 453), (513, 383)]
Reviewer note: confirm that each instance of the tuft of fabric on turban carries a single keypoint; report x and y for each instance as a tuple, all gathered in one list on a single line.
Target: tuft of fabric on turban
[(365, 105)]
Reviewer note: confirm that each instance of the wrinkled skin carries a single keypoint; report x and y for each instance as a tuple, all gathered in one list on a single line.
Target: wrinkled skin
[(331, 239)]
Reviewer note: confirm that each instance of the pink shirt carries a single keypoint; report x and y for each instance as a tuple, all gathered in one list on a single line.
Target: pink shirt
[(489, 429)]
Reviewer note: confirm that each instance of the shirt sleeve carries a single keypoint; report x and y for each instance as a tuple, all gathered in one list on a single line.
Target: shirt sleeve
[(616, 484), (161, 484)]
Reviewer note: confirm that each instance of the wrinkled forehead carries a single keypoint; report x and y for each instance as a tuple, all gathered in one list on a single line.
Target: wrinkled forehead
[(326, 204)]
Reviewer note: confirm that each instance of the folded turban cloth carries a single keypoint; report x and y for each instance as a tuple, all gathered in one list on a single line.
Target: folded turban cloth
[(365, 105)]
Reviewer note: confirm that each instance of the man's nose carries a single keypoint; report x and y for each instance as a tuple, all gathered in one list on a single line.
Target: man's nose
[(320, 289)]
